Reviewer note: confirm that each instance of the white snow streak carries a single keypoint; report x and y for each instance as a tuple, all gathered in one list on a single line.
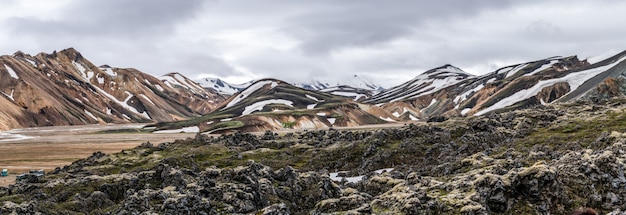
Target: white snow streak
[(387, 119), (194, 129), (574, 80), (311, 97), (465, 111), (11, 72), (253, 88), (331, 120), (259, 105), (91, 115), (545, 66)]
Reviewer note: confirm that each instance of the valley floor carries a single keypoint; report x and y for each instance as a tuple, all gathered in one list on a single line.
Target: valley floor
[(50, 147)]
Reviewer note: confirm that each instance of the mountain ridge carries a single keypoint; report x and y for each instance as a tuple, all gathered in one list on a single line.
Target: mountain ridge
[(64, 88)]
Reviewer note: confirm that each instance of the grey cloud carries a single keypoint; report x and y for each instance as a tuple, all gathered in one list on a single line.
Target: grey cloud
[(113, 18), (365, 23)]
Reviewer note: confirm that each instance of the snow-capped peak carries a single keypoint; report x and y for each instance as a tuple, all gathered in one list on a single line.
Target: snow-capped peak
[(221, 86)]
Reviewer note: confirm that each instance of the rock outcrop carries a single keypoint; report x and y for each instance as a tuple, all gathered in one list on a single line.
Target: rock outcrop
[(543, 160)]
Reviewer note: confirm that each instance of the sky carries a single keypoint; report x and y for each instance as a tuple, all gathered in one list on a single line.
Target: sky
[(388, 42)]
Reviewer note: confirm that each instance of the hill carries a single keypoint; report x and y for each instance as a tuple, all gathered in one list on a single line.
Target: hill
[(271, 104)]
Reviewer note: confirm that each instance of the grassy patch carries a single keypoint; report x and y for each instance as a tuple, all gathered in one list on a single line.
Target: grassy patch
[(225, 126)]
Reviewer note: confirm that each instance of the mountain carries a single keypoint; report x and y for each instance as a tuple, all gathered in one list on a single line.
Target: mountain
[(448, 91), (271, 104), (221, 86), (355, 87), (64, 88)]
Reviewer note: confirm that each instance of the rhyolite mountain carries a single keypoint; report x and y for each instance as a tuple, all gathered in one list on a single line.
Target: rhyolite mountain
[(436, 94), (448, 91), (222, 86), (355, 87), (64, 88), (271, 104)]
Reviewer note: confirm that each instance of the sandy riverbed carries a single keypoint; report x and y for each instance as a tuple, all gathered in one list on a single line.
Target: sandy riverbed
[(50, 147)]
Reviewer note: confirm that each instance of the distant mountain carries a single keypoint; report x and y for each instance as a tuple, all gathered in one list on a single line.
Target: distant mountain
[(271, 104), (221, 86), (450, 92), (356, 87), (64, 88), (446, 91)]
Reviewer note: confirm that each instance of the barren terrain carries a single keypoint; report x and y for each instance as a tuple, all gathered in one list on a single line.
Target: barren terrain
[(50, 147)]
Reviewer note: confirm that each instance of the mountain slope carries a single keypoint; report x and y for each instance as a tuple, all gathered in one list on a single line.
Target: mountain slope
[(64, 88), (271, 104), (429, 82), (556, 79)]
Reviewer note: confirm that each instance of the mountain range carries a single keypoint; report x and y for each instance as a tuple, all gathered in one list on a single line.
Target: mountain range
[(355, 87), (437, 94), (64, 88)]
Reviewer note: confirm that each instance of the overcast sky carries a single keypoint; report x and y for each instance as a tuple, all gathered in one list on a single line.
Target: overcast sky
[(388, 41)]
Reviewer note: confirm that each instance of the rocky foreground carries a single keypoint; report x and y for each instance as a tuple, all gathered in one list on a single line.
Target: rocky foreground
[(543, 160)]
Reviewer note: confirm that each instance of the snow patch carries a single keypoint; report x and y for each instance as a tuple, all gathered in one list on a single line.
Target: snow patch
[(335, 177), (332, 120), (387, 119), (545, 66), (146, 98), (355, 96), (251, 89), (259, 105), (31, 62), (573, 79), (10, 96), (466, 94), (413, 118), (380, 171), (396, 114), (465, 111), (226, 119), (91, 115), (194, 129), (311, 106), (321, 114), (100, 79), (311, 97), (109, 71), (11, 72), (11, 136), (515, 70)]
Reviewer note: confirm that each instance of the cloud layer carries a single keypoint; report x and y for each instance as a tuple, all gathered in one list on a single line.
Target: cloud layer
[(385, 41)]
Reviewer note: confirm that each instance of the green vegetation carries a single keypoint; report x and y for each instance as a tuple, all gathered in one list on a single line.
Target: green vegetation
[(288, 124)]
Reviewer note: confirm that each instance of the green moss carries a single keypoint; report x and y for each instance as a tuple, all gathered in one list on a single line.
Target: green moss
[(18, 199), (225, 126), (288, 124)]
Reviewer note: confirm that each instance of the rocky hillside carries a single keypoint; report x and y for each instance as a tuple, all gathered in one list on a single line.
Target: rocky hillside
[(271, 104), (448, 91), (222, 87), (64, 88), (544, 160)]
